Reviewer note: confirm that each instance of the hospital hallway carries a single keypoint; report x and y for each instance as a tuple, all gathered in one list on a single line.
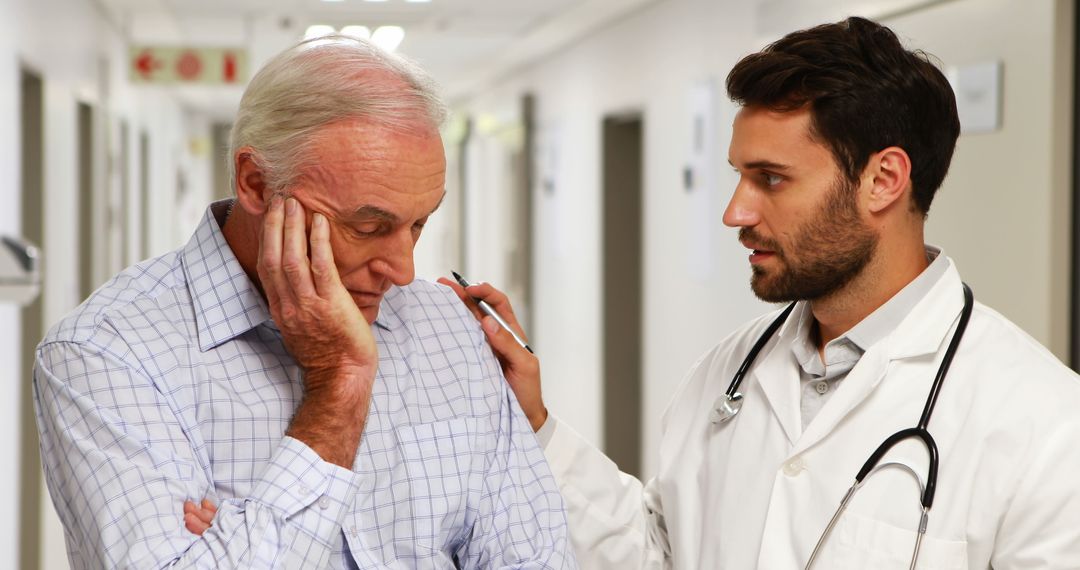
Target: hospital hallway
[(587, 174)]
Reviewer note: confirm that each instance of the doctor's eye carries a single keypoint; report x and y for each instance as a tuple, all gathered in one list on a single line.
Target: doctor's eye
[(772, 179)]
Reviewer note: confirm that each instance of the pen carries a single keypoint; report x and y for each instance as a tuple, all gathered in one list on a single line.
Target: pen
[(486, 308)]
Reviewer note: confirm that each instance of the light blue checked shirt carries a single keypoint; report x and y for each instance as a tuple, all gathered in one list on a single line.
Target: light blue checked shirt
[(171, 383)]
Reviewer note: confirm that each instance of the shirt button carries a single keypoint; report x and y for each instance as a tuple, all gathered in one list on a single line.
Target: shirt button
[(794, 467), (303, 490), (352, 531), (324, 502), (822, 387)]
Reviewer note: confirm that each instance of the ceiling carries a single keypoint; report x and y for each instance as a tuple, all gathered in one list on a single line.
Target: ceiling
[(463, 43)]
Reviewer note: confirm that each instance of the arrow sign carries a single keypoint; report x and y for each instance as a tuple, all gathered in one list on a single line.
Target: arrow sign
[(145, 64), (187, 65)]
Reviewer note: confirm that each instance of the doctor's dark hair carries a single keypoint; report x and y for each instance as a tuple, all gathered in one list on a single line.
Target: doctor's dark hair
[(865, 92)]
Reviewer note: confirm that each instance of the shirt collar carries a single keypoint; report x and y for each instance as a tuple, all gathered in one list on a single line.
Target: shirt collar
[(877, 325), (886, 318), (227, 303)]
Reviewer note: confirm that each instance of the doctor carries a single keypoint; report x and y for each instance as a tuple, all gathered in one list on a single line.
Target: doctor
[(842, 139)]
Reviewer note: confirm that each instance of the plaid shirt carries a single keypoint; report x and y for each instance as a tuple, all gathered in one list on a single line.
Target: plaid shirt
[(171, 383)]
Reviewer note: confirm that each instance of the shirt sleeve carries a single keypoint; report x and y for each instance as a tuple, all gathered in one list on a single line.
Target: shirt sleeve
[(120, 462), (615, 522)]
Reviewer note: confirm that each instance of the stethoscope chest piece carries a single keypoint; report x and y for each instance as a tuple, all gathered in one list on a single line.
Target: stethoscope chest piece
[(725, 408)]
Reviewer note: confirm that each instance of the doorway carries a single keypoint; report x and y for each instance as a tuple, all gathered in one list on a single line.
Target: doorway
[(87, 203), (621, 289), (146, 247), (33, 230)]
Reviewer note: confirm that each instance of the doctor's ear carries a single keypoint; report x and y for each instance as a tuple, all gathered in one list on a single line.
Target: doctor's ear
[(890, 170), (252, 193)]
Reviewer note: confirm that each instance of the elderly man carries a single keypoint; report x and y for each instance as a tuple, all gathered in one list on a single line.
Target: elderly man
[(284, 365)]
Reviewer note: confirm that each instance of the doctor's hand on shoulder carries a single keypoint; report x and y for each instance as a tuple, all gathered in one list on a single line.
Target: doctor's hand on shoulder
[(520, 367)]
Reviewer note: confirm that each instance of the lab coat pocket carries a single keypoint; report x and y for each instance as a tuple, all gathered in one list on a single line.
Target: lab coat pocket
[(862, 542)]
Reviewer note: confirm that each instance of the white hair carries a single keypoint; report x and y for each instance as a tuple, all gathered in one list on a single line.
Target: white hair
[(318, 82)]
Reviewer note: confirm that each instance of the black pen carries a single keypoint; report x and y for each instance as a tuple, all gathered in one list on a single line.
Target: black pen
[(486, 308)]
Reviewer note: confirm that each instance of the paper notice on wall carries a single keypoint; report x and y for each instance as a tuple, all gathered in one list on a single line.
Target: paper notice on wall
[(554, 214), (978, 96), (699, 182)]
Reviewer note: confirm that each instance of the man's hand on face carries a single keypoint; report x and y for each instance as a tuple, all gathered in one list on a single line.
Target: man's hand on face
[(320, 323), (520, 367), (322, 328)]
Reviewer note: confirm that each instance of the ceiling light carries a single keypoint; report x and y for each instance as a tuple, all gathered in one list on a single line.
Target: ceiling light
[(362, 32), (388, 37), (318, 31), (418, 1)]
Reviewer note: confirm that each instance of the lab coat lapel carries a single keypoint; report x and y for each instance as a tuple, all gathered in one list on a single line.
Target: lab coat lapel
[(922, 332), (776, 376)]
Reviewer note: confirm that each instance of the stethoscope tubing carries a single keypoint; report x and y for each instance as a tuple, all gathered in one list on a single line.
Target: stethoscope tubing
[(873, 463), (747, 362), (920, 431)]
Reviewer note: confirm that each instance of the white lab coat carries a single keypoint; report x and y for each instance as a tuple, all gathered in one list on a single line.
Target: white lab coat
[(758, 491)]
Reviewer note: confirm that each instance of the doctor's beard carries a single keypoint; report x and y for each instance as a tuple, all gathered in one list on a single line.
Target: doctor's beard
[(825, 254)]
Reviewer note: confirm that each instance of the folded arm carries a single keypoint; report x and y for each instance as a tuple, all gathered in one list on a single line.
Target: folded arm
[(120, 463)]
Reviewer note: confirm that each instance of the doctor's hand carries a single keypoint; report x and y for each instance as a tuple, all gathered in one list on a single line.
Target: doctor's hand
[(520, 367)]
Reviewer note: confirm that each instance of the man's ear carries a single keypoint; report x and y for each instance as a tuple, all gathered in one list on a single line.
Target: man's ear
[(890, 170), (251, 192)]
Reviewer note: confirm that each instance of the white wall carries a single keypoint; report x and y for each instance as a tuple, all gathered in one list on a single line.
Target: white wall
[(1003, 213), (66, 43), (10, 339)]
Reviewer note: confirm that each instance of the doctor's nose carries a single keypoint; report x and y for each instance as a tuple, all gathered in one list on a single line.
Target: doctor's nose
[(740, 210)]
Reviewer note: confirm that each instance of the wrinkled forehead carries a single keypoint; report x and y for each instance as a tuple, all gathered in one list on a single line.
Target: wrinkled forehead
[(353, 164)]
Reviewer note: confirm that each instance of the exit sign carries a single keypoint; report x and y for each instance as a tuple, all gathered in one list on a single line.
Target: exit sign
[(178, 65)]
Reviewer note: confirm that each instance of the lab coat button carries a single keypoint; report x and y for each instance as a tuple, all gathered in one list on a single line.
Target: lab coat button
[(793, 467)]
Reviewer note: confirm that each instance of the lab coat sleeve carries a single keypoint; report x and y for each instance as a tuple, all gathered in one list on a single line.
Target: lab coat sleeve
[(615, 523), (1041, 527)]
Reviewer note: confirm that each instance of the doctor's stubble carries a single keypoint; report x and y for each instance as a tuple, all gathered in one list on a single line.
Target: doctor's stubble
[(826, 253)]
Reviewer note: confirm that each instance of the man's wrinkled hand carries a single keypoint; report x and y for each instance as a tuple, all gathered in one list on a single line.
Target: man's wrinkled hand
[(320, 324)]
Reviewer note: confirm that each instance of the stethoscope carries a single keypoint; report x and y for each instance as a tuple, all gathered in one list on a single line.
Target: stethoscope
[(728, 406)]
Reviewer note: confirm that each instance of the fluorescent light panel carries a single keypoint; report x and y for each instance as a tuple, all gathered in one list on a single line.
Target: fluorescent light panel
[(388, 37), (318, 30), (362, 32)]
